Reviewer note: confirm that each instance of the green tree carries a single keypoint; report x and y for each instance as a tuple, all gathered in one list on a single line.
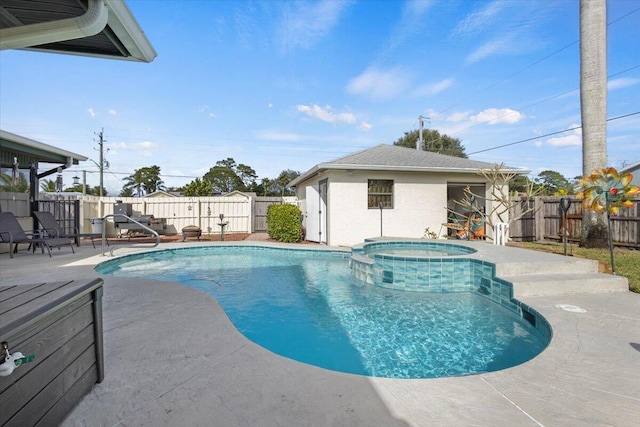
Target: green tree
[(433, 141), (554, 183), (247, 175), (223, 179), (144, 180), (6, 184), (519, 184), (227, 176), (126, 192), (263, 189), (134, 184), (281, 183), (48, 185), (197, 188)]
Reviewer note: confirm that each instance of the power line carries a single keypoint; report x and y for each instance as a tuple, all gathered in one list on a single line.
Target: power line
[(548, 134), (536, 63), (542, 101)]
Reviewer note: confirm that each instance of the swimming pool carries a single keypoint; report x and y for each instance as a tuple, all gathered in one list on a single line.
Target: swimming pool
[(306, 305)]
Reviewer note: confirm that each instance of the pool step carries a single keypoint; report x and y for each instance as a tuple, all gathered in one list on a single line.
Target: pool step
[(557, 284), (549, 265)]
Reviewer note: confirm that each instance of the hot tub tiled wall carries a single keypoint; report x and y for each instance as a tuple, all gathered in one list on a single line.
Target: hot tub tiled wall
[(444, 275), (421, 274)]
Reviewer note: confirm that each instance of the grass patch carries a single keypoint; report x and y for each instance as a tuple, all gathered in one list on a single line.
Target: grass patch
[(627, 261)]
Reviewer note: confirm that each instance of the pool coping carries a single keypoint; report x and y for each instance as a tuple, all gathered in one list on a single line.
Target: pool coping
[(161, 370)]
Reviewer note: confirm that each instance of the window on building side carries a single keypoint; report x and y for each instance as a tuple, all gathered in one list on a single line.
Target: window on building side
[(380, 191)]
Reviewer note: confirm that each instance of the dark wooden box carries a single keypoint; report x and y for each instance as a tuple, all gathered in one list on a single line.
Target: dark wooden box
[(61, 325)]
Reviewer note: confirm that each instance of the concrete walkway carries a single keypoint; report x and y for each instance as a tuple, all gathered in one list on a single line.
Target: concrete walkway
[(172, 358)]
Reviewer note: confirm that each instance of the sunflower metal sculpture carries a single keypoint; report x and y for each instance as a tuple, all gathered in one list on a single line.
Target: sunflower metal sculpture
[(606, 190)]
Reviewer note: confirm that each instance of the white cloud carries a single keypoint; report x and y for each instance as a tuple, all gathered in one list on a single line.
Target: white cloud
[(379, 84), (204, 110), (271, 135), (496, 46), (116, 145), (304, 23), (458, 117), (493, 116), (326, 114), (91, 112), (112, 111), (365, 126), (269, 105), (574, 138), (411, 23), (145, 148), (434, 88), (622, 83), (479, 20)]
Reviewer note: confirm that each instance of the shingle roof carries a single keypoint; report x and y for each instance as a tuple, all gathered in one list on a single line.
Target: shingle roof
[(403, 157), (397, 158)]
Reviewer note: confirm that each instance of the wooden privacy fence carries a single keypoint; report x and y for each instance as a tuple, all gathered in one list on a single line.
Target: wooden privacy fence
[(546, 223)]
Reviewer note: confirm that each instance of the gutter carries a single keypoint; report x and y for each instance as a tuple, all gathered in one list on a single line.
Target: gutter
[(92, 22)]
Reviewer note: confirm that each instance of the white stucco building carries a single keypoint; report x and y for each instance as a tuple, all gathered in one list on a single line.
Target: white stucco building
[(340, 200)]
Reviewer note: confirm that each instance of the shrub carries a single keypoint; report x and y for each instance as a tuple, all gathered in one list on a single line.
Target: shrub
[(283, 223)]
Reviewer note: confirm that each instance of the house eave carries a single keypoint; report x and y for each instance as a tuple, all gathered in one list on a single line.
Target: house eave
[(388, 168)]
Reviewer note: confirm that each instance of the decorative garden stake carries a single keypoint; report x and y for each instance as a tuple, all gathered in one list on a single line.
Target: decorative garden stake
[(606, 191)]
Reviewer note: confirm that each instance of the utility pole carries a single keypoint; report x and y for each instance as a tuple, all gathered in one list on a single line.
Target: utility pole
[(421, 121), (102, 161)]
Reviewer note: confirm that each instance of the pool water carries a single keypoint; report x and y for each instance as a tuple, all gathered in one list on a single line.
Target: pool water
[(305, 305)]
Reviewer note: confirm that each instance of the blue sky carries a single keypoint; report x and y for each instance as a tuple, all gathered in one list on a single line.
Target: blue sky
[(286, 85)]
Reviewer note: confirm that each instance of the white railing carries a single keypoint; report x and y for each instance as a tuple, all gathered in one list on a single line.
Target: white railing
[(143, 226)]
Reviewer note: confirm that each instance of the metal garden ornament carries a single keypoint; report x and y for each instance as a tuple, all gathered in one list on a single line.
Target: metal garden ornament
[(606, 191)]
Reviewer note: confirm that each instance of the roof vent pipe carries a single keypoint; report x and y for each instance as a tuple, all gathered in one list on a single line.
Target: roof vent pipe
[(91, 23)]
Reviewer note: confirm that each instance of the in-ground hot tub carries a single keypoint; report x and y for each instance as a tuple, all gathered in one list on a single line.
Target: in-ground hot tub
[(437, 267), (420, 265)]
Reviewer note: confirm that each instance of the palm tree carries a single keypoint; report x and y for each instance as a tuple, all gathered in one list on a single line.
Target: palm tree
[(135, 183), (48, 185), (144, 180), (6, 184), (593, 105)]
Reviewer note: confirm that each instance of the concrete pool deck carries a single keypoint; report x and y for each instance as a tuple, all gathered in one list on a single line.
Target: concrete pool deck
[(173, 358)]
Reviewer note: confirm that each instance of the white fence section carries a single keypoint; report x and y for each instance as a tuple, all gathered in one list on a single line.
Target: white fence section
[(240, 212), (178, 212), (18, 203)]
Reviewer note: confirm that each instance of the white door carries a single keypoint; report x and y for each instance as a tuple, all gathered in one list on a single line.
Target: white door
[(312, 217), (323, 211)]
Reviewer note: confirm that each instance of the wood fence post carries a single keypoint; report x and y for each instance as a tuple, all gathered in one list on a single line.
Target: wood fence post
[(539, 218)]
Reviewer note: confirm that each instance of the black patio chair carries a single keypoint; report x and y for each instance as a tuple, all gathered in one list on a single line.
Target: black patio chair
[(11, 232), (52, 228)]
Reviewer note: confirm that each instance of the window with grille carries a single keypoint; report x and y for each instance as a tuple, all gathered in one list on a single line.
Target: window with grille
[(380, 191)]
